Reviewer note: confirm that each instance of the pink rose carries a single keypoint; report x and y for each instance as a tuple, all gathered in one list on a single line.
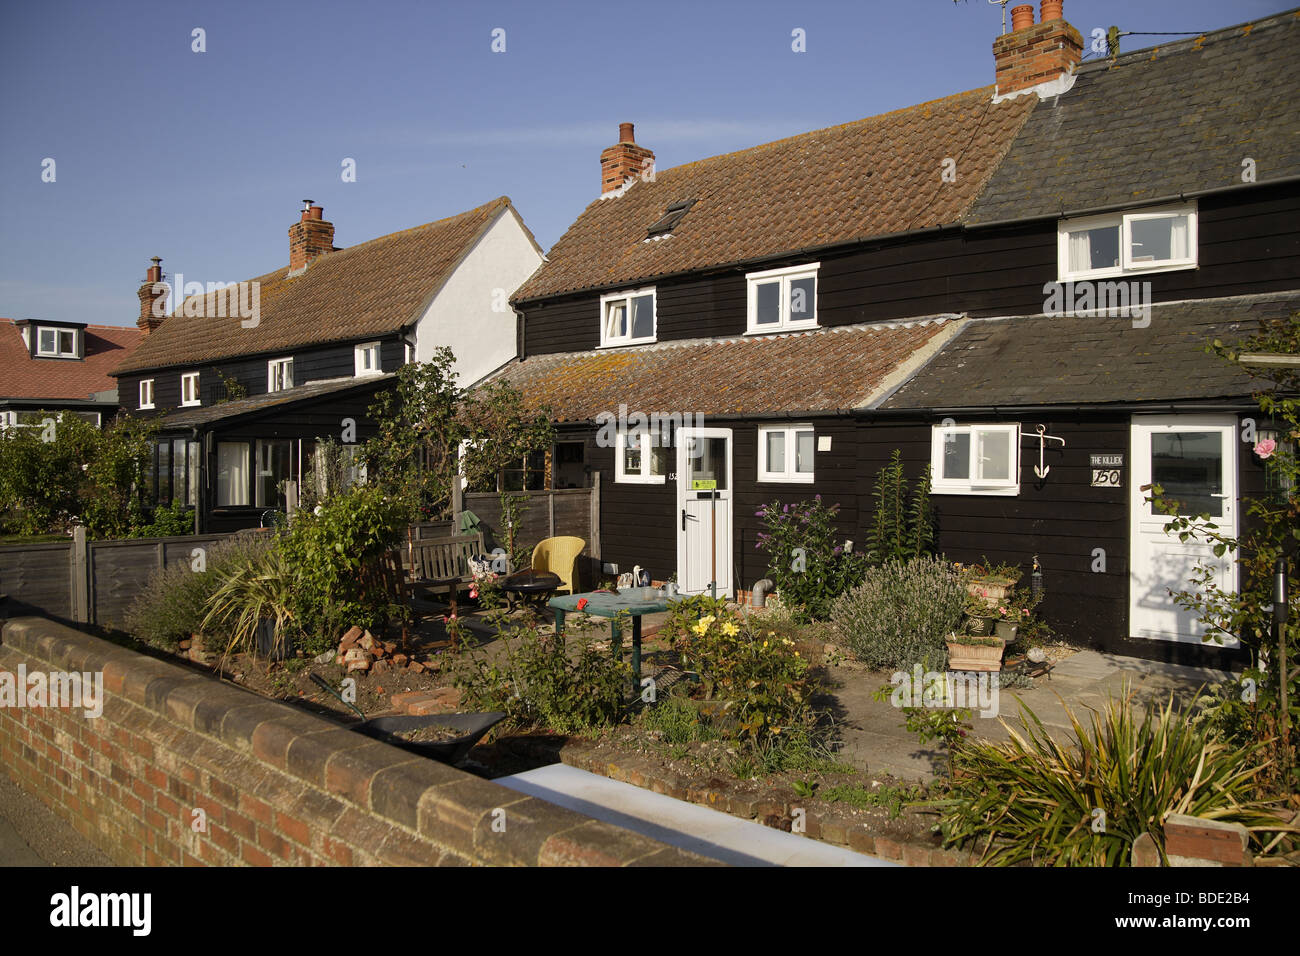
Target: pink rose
[(1265, 448)]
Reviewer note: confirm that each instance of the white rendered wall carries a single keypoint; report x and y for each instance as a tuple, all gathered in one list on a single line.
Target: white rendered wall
[(461, 315)]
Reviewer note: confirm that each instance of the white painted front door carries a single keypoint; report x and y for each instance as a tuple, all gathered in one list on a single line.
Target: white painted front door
[(1194, 458), (704, 489)]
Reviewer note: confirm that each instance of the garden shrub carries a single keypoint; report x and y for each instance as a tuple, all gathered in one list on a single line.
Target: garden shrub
[(903, 525), (173, 603), (805, 563), (900, 614), (761, 676), (537, 684), (1036, 800), (328, 550)]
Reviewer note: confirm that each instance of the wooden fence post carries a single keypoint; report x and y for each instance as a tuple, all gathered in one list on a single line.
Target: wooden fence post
[(595, 516), (80, 572)]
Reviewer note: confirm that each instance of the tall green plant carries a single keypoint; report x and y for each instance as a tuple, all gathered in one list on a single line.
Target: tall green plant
[(804, 562), (903, 524)]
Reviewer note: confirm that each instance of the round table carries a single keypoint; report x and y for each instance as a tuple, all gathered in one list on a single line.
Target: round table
[(529, 586)]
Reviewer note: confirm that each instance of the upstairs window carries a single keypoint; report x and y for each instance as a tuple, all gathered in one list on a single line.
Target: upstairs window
[(279, 375), (640, 458), (627, 318), (1152, 240), (786, 453), (190, 389), (146, 393), (57, 343), (367, 359), (782, 300), (975, 459)]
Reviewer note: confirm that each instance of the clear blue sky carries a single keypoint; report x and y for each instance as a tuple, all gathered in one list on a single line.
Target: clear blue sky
[(203, 158)]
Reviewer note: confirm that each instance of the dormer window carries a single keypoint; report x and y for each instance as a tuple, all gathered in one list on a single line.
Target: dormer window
[(366, 359), (279, 375), (627, 318), (1150, 240), (674, 215), (783, 300), (57, 343)]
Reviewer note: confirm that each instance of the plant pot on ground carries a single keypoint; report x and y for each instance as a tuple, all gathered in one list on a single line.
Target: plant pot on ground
[(966, 653)]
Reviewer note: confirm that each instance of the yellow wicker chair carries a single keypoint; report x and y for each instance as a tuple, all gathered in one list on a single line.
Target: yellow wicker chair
[(558, 555)]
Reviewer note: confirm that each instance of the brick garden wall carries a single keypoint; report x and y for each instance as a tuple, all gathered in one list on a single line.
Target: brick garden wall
[(277, 785)]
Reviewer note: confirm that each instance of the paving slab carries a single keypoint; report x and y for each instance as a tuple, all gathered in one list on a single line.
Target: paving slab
[(701, 830)]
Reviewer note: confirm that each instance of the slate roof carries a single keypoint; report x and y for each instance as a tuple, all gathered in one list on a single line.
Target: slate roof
[(22, 376), (209, 414), (1170, 119), (1052, 360), (364, 290), (864, 179), (823, 370)]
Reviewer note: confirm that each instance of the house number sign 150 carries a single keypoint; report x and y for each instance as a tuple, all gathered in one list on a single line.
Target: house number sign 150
[(1107, 471)]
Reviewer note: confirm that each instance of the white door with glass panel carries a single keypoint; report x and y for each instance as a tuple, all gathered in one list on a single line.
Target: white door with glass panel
[(1194, 459), (704, 551)]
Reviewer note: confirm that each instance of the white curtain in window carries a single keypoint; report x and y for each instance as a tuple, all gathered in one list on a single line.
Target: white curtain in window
[(1080, 251), (232, 473), (1178, 238)]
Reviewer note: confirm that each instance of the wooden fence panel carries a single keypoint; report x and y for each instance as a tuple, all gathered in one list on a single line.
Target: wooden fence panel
[(37, 578)]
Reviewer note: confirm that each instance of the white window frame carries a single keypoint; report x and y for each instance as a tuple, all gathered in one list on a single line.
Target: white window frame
[(1125, 222), (643, 477), (271, 367), (146, 389), (358, 354), (786, 275), (611, 341), (788, 475), (185, 381), (57, 352), (973, 484)]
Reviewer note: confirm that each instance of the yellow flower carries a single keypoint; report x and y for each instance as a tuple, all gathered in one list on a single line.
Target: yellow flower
[(707, 620), (765, 643), (730, 629), (700, 628)]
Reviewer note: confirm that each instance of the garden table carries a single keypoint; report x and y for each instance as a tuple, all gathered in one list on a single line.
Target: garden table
[(635, 602)]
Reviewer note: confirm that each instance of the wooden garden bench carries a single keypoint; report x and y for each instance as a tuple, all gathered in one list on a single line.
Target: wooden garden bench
[(438, 563)]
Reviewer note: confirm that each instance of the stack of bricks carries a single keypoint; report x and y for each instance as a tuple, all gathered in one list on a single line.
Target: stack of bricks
[(309, 238)]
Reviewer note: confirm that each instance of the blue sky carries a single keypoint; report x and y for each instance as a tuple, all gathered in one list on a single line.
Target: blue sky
[(204, 158)]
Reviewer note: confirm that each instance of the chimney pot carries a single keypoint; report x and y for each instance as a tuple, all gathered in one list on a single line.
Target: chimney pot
[(623, 161), (1022, 17), (310, 237), (1052, 10), (1038, 58)]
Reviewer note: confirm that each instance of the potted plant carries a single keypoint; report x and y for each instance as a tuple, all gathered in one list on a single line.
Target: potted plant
[(974, 653), (980, 615), (993, 582), (1008, 621)]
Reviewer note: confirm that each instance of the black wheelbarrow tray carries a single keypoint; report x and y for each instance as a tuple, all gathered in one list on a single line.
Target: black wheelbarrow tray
[(453, 750)]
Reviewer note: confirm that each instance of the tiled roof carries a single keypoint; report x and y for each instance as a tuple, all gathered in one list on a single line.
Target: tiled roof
[(1171, 119), (867, 178), (367, 289), (1051, 360), (192, 417), (825, 370), (22, 376)]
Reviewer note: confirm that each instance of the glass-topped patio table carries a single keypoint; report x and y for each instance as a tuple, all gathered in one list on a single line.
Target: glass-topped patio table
[(636, 602)]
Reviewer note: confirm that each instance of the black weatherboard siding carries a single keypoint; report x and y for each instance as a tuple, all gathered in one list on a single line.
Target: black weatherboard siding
[(1247, 244)]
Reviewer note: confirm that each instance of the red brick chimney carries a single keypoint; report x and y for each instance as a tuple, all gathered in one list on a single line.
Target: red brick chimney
[(1037, 57), (309, 238), (623, 161), (149, 294)]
